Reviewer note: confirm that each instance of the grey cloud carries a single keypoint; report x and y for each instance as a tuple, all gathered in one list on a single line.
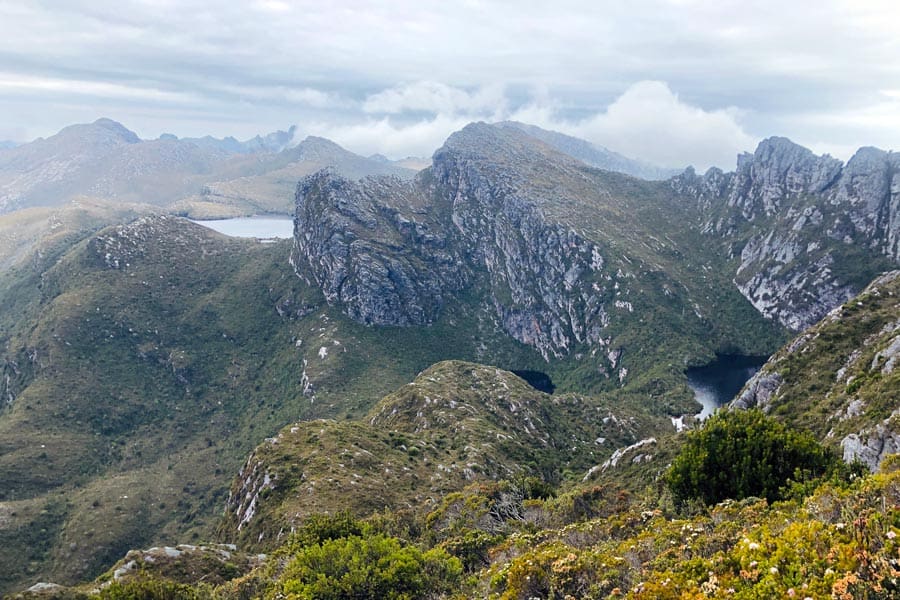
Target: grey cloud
[(253, 63)]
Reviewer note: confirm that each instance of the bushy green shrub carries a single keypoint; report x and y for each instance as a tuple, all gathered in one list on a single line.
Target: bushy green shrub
[(148, 588), (376, 566), (739, 454), (321, 527)]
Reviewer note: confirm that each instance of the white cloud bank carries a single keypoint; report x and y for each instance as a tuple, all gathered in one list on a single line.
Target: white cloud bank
[(819, 71), (438, 98), (648, 121)]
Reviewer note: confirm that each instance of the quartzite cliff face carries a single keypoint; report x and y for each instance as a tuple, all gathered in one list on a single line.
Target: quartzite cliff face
[(810, 232), (839, 378), (567, 256), (548, 243)]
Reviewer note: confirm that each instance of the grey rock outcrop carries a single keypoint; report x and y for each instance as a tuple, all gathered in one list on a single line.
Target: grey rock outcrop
[(540, 272), (384, 263), (567, 259), (846, 365), (779, 170), (871, 446), (758, 392), (810, 231), (391, 252)]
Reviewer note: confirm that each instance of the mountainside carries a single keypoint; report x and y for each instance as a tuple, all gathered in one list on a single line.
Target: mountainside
[(103, 159), (594, 541), (271, 142), (125, 393), (141, 365), (595, 156), (840, 378), (456, 424), (572, 261), (421, 465), (268, 185), (810, 232), (30, 233)]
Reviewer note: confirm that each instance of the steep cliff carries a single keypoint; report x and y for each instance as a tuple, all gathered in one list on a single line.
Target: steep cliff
[(572, 261), (810, 232), (375, 248)]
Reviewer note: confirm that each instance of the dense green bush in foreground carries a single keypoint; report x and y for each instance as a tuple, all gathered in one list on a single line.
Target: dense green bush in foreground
[(743, 454)]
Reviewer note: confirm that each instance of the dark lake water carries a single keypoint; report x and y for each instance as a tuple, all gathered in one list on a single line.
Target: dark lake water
[(537, 380), (253, 227), (718, 382)]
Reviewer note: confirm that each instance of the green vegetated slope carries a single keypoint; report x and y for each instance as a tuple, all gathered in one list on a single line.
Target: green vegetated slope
[(455, 424), (34, 232), (504, 541), (118, 411), (617, 532), (143, 365), (840, 378)]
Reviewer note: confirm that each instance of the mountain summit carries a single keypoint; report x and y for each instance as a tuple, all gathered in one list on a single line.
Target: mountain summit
[(596, 156)]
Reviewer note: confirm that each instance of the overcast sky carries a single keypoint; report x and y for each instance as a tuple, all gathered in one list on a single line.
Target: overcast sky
[(671, 81)]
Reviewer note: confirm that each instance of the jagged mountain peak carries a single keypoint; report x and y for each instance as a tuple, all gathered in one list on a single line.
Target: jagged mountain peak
[(271, 142), (778, 160), (780, 144), (870, 159), (817, 230), (867, 153)]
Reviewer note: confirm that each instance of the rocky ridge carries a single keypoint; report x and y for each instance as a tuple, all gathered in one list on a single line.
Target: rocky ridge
[(269, 183), (593, 155), (457, 423), (549, 244), (810, 232), (198, 176), (839, 378)]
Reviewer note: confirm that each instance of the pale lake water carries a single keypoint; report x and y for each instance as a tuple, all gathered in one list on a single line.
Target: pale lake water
[(718, 382), (253, 227)]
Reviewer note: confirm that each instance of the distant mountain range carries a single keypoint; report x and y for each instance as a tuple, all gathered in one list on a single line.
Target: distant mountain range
[(210, 177), (272, 142), (202, 176)]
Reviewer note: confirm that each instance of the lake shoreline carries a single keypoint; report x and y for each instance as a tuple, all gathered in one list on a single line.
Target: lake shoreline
[(718, 382), (261, 227)]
